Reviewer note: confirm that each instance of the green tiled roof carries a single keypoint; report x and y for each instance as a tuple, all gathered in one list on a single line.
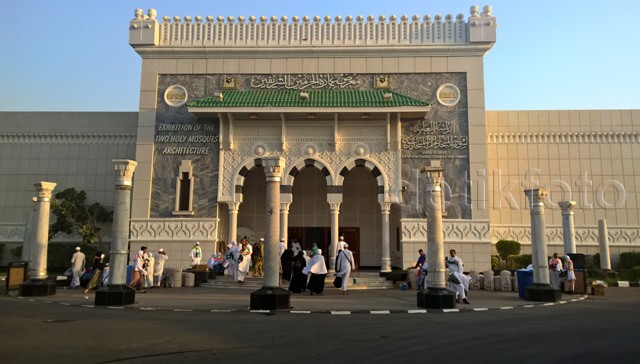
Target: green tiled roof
[(317, 98)]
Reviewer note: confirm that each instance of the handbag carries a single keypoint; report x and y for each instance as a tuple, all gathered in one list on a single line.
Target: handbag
[(563, 273), (453, 279), (337, 282)]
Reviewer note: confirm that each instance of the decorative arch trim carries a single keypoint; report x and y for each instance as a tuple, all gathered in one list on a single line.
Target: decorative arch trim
[(375, 169), (292, 171)]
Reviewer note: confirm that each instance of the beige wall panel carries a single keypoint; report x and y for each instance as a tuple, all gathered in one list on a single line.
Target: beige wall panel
[(374, 65), (279, 65), (149, 77), (406, 64), (146, 134), (390, 65), (342, 65), (200, 66), (147, 99), (184, 66), (326, 65), (164, 65), (263, 65), (310, 65), (230, 65), (294, 65), (358, 65), (215, 65), (422, 64), (247, 65), (439, 64)]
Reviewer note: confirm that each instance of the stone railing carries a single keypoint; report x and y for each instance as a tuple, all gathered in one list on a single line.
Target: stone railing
[(584, 235), (582, 137), (306, 31)]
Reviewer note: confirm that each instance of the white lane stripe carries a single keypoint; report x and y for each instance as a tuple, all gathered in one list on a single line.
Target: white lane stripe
[(182, 310), (381, 312), (115, 308), (90, 306), (574, 300), (562, 302), (148, 309), (341, 312), (65, 304), (416, 311), (481, 309), (450, 310), (548, 304), (529, 306), (506, 308), (220, 310), (46, 301), (299, 311), (260, 311)]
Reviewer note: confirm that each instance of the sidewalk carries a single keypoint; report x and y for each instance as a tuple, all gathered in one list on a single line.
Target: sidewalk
[(237, 300)]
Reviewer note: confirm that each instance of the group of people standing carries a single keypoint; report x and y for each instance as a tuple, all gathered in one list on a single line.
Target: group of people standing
[(457, 281), (147, 270), (558, 270), (98, 273), (238, 259)]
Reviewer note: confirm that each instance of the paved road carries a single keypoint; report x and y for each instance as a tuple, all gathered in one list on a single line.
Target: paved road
[(596, 330)]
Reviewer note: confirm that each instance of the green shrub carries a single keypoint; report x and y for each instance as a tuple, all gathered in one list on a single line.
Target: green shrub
[(632, 274), (495, 262), (507, 247), (592, 262), (629, 260), (515, 262), (16, 252)]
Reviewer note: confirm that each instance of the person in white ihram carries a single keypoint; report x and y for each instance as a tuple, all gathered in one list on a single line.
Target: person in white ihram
[(196, 254), (341, 243), (159, 267), (344, 265), (458, 282), (77, 267)]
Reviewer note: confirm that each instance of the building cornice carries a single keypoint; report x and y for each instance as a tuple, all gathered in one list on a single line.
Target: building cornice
[(67, 138)]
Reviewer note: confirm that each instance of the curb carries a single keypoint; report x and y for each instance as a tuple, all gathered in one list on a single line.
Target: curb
[(306, 312), (625, 284)]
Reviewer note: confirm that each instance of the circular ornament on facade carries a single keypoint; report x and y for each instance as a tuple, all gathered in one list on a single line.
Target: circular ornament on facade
[(259, 150), (175, 96), (360, 150), (448, 94), (309, 151)]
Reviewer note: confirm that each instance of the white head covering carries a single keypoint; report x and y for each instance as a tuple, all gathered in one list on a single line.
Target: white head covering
[(140, 253), (77, 248), (341, 238), (197, 243), (566, 257), (316, 265), (161, 250), (261, 239)]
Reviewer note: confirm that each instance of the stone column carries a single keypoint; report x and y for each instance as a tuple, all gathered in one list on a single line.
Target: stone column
[(386, 250), (603, 239), (38, 285), (568, 228), (284, 222), (234, 207), (541, 289), (436, 295), (334, 210), (117, 292), (27, 243), (271, 296)]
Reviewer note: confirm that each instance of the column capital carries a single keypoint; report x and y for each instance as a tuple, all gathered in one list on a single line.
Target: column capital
[(124, 169), (535, 196), (567, 207), (273, 168), (385, 207), (284, 207), (334, 206), (44, 190), (434, 173), (233, 206)]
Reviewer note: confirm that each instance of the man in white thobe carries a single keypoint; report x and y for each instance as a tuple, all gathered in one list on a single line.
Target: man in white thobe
[(244, 263), (158, 269), (458, 282), (341, 243), (344, 265), (555, 267), (77, 267), (295, 246)]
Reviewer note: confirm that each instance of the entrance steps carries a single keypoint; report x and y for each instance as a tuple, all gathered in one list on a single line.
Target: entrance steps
[(364, 280)]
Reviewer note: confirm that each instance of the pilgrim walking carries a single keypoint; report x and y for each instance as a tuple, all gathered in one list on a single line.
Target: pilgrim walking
[(318, 270)]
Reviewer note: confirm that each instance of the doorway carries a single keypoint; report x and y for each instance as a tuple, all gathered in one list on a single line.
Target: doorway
[(307, 236)]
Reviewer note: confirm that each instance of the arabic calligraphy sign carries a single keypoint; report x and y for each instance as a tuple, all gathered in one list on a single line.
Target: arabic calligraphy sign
[(306, 81)]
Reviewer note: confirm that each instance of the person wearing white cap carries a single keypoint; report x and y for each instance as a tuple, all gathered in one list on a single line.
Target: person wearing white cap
[(341, 243), (318, 270), (77, 267), (158, 269), (138, 271), (244, 260), (196, 254), (344, 265), (281, 246)]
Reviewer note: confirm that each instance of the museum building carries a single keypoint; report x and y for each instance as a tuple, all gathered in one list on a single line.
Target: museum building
[(343, 113)]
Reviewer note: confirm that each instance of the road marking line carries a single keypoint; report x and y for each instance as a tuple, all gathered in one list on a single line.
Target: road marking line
[(90, 306), (260, 311), (341, 312), (65, 304), (46, 301), (450, 310), (220, 310), (548, 304), (382, 312), (416, 311), (182, 310), (299, 311), (115, 308), (562, 302), (481, 309), (529, 306), (148, 309), (31, 299), (506, 308)]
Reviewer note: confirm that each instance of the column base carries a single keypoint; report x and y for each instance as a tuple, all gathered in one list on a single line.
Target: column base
[(116, 295), (270, 299), (38, 287), (542, 293), (436, 298)]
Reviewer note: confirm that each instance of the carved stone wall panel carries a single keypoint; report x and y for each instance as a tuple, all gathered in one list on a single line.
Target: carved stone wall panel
[(370, 133), (174, 230), (309, 133), (454, 230), (554, 235), (12, 233)]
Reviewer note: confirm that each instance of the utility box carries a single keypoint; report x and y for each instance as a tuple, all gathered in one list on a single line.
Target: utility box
[(16, 274)]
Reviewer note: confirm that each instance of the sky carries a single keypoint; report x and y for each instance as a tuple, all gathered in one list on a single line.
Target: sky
[(74, 55)]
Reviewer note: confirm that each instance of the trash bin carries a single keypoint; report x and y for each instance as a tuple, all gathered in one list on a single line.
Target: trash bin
[(525, 279), (16, 274), (129, 271)]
